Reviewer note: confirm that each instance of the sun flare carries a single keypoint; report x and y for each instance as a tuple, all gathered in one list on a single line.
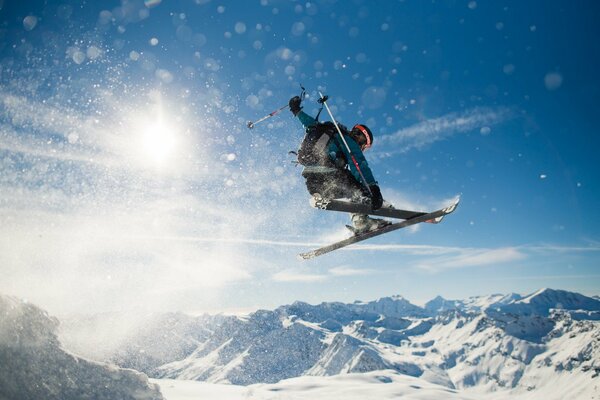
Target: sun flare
[(158, 142)]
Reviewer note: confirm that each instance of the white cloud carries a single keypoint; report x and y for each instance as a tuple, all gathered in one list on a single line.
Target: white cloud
[(349, 271), (436, 129), (293, 276), (473, 258)]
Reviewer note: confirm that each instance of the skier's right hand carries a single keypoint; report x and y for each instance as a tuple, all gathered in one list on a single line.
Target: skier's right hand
[(295, 105), (376, 198)]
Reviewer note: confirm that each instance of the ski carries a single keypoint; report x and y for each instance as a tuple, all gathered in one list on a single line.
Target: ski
[(356, 208), (435, 217)]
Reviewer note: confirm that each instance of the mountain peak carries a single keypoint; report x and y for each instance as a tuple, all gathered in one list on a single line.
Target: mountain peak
[(543, 300)]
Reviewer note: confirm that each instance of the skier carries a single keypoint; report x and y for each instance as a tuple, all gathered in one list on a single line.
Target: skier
[(327, 170)]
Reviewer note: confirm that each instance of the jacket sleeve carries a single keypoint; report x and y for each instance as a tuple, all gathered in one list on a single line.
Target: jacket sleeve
[(360, 160), (306, 120)]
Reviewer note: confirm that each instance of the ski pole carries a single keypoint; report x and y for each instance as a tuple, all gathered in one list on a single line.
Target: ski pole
[(251, 124), (364, 181)]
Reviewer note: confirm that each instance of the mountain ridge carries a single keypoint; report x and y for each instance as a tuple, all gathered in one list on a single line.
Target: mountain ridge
[(502, 341)]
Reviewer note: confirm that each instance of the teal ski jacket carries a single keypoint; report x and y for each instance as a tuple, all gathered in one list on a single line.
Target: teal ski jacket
[(339, 154)]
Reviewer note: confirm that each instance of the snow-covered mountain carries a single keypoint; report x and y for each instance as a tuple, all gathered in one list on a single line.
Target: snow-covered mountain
[(34, 366), (546, 342)]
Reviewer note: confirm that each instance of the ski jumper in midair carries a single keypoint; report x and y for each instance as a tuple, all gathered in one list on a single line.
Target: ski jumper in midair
[(327, 170)]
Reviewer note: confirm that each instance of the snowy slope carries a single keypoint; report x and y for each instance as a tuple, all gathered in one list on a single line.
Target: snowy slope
[(33, 365), (505, 343), (142, 343), (380, 385)]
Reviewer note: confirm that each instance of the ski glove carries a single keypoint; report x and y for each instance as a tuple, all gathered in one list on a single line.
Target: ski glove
[(295, 105), (376, 199)]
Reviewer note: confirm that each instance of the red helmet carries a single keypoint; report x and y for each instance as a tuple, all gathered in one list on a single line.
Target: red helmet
[(361, 133)]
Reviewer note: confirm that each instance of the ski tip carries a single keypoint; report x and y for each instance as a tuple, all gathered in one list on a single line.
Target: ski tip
[(456, 200), (435, 220), (307, 256), (453, 206)]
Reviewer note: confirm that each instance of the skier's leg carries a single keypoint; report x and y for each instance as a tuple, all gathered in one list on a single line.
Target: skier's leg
[(355, 191), (327, 185)]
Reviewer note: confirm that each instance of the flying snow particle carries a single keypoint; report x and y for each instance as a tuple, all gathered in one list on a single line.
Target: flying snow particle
[(374, 97), (472, 5), (29, 22), (143, 13), (153, 41), (78, 56), (485, 130), (212, 65), (553, 80), (290, 70), (543, 176), (72, 137), (227, 35), (105, 17), (385, 27), (134, 55), (257, 45), (199, 39), (184, 33), (164, 75), (240, 28), (533, 28), (284, 53), (298, 28), (361, 58), (508, 69), (93, 52), (221, 9), (499, 26), (64, 11), (252, 101)]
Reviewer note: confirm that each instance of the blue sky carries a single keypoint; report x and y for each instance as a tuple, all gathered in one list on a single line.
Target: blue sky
[(129, 179)]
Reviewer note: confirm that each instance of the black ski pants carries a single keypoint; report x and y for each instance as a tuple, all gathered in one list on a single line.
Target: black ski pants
[(333, 185)]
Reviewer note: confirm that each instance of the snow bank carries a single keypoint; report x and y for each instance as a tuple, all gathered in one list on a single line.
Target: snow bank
[(33, 365), (379, 385)]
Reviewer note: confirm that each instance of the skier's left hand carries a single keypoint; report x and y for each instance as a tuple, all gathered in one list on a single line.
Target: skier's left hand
[(377, 198), (295, 105)]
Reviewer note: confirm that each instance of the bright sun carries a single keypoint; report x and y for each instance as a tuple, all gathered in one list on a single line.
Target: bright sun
[(158, 141), (153, 139)]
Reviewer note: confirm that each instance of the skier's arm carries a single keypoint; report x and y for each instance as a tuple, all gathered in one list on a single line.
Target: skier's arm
[(296, 109), (306, 120)]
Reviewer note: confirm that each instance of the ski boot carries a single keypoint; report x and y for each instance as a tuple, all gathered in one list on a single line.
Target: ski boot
[(362, 223)]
